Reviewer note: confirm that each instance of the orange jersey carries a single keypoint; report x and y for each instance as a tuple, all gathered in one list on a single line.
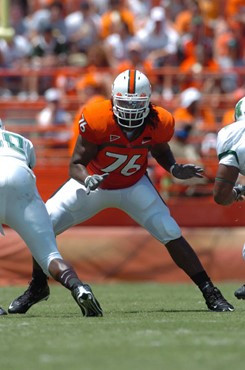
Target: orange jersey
[(126, 161)]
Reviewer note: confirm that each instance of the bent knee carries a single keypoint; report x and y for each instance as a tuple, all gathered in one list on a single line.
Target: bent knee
[(163, 228)]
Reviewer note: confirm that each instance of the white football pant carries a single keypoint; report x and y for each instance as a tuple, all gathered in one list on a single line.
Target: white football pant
[(22, 209), (71, 206)]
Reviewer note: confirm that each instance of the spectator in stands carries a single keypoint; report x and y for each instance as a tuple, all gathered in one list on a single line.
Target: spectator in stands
[(53, 115), (48, 49), (37, 16), (57, 18), (233, 7), (116, 43), (182, 149), (227, 45), (159, 39), (230, 151), (118, 12), (135, 58), (200, 60), (16, 18), (92, 85), (185, 151), (191, 112), (141, 11), (15, 51), (83, 26)]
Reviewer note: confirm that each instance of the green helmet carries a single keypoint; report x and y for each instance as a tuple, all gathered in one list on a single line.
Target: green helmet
[(240, 110)]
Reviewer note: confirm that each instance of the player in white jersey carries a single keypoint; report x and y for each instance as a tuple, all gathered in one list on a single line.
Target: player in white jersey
[(22, 209), (231, 154)]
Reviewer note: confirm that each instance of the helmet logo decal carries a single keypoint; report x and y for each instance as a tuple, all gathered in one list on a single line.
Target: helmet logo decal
[(131, 81)]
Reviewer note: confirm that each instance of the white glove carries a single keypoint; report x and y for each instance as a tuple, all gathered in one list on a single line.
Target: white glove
[(185, 171), (239, 192), (93, 182)]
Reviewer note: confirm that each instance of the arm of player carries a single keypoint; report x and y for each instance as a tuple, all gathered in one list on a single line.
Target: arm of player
[(164, 156), (83, 153), (225, 191)]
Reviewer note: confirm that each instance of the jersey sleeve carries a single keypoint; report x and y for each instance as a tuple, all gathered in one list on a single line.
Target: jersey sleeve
[(165, 127), (226, 149), (31, 155), (88, 126)]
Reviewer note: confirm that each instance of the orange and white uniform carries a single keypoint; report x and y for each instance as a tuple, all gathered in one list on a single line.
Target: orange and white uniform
[(124, 160), (127, 186)]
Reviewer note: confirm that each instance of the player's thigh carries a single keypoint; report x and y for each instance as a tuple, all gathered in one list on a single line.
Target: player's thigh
[(71, 205), (31, 221), (144, 204)]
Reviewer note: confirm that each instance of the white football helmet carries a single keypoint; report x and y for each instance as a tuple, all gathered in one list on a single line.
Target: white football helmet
[(240, 110), (131, 92)]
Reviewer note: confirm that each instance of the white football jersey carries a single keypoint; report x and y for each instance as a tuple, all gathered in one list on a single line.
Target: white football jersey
[(16, 146), (231, 145)]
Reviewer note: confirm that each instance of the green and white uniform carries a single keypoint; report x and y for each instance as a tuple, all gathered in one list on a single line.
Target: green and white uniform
[(231, 145), (21, 206)]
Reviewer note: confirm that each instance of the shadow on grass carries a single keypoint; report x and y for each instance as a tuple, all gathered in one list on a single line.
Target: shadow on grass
[(165, 311)]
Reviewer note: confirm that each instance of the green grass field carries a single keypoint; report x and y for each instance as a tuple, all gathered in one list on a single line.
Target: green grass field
[(145, 326)]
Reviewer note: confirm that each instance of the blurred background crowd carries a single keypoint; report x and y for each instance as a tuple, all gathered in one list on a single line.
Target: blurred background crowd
[(60, 55)]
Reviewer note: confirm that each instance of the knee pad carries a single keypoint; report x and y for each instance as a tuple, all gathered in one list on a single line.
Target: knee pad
[(163, 227)]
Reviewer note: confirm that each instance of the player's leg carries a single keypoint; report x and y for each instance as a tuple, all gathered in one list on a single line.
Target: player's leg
[(69, 206), (144, 204), (62, 272), (64, 212)]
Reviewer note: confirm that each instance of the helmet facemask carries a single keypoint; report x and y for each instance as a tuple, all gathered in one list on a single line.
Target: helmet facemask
[(131, 108), (132, 111)]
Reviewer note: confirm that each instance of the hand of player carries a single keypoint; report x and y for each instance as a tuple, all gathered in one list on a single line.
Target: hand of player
[(93, 182), (239, 192), (186, 171)]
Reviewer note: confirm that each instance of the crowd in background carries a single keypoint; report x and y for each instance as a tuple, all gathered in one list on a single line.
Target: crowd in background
[(204, 40)]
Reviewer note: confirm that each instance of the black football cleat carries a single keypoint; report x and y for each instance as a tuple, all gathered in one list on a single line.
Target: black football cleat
[(2, 312), (86, 300), (215, 300), (34, 294), (240, 292)]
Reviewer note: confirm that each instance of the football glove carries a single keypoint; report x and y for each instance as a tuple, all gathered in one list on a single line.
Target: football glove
[(93, 182), (239, 192), (185, 171)]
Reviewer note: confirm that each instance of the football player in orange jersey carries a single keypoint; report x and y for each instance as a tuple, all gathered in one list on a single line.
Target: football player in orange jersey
[(109, 169)]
